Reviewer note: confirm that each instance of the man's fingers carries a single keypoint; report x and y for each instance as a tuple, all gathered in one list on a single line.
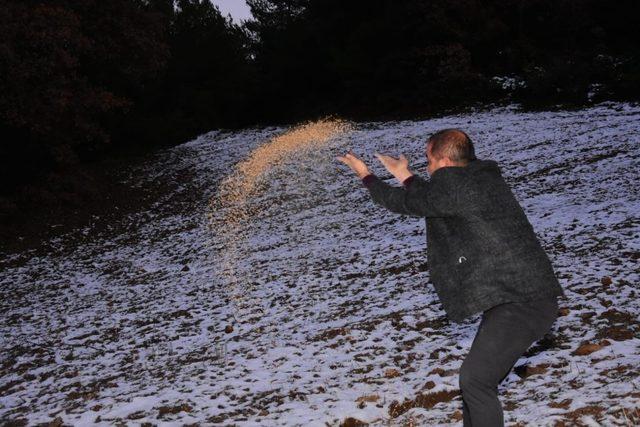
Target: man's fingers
[(384, 159), (345, 160)]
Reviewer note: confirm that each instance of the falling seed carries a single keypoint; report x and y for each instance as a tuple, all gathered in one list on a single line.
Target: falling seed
[(230, 212)]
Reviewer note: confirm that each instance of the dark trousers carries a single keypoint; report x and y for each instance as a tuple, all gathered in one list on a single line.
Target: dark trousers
[(506, 331)]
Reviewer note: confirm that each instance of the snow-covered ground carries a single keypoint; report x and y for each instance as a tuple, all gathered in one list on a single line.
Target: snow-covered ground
[(134, 325)]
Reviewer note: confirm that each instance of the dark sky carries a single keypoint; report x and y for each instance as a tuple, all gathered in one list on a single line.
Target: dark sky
[(237, 8)]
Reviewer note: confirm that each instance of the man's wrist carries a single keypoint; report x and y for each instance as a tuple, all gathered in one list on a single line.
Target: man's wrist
[(408, 180), (367, 179), (404, 175), (401, 176)]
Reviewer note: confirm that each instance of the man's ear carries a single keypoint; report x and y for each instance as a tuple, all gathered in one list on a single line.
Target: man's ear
[(449, 162)]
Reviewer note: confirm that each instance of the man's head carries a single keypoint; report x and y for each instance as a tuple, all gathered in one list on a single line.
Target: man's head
[(448, 147)]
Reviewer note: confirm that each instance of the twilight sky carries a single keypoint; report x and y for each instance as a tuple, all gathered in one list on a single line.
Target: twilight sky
[(237, 8)]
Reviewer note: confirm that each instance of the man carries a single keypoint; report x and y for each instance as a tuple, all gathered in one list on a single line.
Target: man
[(483, 256)]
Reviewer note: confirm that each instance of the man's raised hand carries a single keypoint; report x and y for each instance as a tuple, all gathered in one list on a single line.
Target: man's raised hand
[(397, 167), (357, 165)]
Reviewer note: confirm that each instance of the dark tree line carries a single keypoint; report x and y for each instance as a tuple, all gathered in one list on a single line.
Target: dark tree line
[(372, 57), (83, 80)]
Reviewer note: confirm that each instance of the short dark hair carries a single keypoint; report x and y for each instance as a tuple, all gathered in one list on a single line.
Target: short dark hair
[(452, 143)]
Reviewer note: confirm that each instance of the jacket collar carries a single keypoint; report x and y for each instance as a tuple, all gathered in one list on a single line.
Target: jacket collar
[(473, 166)]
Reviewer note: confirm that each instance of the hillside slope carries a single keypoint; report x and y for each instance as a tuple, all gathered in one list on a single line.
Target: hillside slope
[(135, 323)]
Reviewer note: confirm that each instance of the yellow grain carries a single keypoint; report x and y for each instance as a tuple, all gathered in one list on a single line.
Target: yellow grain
[(229, 213)]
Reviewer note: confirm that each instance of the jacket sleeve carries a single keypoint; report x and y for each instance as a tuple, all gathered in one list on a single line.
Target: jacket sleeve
[(436, 197)]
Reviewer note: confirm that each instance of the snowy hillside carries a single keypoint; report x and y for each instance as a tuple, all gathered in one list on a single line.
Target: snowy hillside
[(134, 324)]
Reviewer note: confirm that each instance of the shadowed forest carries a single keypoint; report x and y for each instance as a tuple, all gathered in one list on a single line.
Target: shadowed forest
[(86, 81)]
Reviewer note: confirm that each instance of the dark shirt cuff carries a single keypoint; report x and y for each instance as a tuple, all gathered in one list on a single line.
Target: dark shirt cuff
[(367, 179), (408, 180)]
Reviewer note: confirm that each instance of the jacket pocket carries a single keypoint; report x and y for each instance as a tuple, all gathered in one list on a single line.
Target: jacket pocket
[(464, 266)]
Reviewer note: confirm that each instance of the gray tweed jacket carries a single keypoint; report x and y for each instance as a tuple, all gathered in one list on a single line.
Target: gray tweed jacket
[(481, 248)]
